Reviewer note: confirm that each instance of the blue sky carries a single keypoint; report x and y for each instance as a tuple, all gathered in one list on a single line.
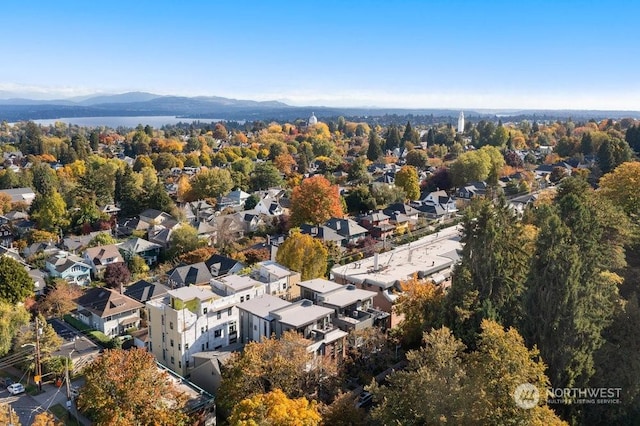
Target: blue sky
[(428, 54)]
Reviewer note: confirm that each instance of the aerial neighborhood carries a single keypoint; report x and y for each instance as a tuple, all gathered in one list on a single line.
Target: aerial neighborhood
[(319, 261)]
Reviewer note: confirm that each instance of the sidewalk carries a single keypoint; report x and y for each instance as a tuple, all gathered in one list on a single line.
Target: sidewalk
[(53, 395)]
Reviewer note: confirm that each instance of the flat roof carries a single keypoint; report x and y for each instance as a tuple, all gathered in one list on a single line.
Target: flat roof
[(192, 292), (347, 295), (427, 256), (320, 285), (239, 282), (262, 306), (301, 313)]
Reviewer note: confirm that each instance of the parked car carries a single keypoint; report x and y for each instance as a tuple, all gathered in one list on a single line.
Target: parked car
[(365, 400), (6, 381), (15, 388)]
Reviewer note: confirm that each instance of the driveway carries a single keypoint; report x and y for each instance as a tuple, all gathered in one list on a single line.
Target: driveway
[(24, 405), (78, 347)]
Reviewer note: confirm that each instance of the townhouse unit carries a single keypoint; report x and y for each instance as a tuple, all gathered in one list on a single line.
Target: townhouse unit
[(280, 281), (268, 316), (193, 319), (352, 306)]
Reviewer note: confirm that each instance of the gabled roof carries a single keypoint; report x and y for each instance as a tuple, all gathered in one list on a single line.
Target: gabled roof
[(137, 245), (345, 227), (62, 261), (222, 264), (143, 291), (198, 273), (99, 253), (402, 208), (323, 232), (105, 302)]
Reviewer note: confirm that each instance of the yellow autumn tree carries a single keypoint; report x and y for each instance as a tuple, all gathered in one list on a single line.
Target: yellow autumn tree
[(305, 254), (275, 408), (421, 307), (8, 415), (45, 419), (183, 191), (621, 187)]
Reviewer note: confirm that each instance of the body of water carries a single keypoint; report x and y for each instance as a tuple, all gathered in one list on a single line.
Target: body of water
[(153, 121)]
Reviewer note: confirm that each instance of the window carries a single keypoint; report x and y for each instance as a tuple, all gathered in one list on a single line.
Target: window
[(248, 297), (232, 327), (171, 343), (218, 314), (186, 346), (187, 363), (203, 346), (163, 337), (172, 360), (207, 345), (264, 326), (230, 311), (171, 325), (217, 333), (179, 346), (204, 310), (179, 364), (164, 354), (241, 299), (162, 319), (202, 330), (255, 327)]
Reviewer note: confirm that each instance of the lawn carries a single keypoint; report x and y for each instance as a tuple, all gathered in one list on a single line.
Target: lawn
[(97, 335)]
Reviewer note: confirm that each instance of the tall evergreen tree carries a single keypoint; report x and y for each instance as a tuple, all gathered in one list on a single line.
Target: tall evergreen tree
[(375, 146), (392, 139)]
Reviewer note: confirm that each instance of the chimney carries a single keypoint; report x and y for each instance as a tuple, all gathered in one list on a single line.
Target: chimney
[(375, 262)]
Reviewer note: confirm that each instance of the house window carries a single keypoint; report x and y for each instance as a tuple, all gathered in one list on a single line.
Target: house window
[(186, 346), (187, 363), (241, 299), (179, 364), (164, 354), (230, 311), (202, 330), (255, 327), (217, 333), (163, 337), (179, 346), (171, 343), (218, 314), (172, 360), (204, 310), (171, 325), (264, 326), (162, 319), (248, 297), (207, 345), (203, 346)]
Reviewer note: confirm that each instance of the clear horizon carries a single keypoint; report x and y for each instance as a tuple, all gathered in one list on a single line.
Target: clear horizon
[(409, 54)]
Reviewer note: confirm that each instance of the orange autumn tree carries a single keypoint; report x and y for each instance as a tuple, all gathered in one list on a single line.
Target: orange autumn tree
[(421, 306), (315, 201)]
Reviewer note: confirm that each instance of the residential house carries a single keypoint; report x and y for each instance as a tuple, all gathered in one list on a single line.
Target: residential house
[(472, 190), (198, 211), (137, 246), (377, 223), (196, 274), (442, 199), (108, 311), (269, 206), (100, 256), (519, 204), (242, 286), (156, 217), (280, 281), (20, 195), (323, 233), (234, 199), (77, 243), (39, 281), (220, 265), (68, 267), (7, 235), (347, 228), (46, 247), (229, 227)]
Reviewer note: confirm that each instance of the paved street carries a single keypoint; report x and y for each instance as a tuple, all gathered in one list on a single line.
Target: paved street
[(24, 405)]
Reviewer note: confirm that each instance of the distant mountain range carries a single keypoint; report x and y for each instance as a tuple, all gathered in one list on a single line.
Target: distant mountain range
[(207, 107)]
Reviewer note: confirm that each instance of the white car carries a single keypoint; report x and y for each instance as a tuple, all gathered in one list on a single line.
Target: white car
[(15, 388)]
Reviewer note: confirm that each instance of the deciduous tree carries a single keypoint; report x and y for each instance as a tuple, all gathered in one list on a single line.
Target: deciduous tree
[(305, 254), (315, 201), (275, 408), (211, 183), (59, 300), (420, 305), (183, 240), (407, 180), (126, 387), (116, 275), (265, 176), (621, 187), (44, 419), (50, 211), (12, 318), (15, 283)]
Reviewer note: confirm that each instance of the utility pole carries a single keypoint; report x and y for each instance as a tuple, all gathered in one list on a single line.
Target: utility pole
[(38, 377)]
